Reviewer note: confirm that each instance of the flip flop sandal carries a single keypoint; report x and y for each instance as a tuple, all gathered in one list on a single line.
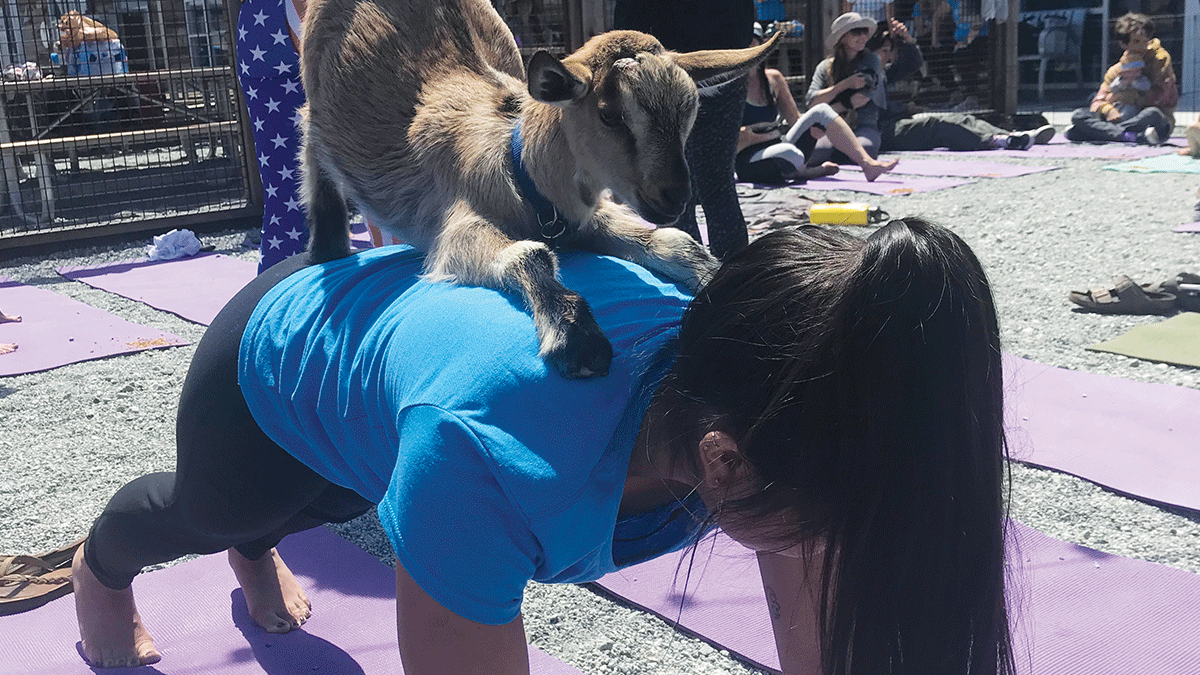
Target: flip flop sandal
[(28, 581), (1125, 297), (1185, 286)]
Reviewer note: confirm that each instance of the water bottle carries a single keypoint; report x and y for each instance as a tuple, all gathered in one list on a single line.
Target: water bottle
[(845, 213)]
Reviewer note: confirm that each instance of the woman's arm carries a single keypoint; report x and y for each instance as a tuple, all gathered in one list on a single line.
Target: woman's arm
[(792, 587), (783, 96), (1101, 102), (821, 91), (433, 640)]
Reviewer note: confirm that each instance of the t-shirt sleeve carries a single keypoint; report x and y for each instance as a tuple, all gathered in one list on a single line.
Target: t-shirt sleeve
[(451, 525), (820, 80)]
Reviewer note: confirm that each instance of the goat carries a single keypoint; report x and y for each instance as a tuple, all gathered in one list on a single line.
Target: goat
[(420, 114)]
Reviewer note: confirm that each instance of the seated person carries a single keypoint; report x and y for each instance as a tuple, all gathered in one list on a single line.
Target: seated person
[(844, 72), (766, 154), (1134, 104), (903, 131)]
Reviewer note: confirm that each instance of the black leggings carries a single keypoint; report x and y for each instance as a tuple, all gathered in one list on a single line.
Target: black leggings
[(710, 151), (232, 486)]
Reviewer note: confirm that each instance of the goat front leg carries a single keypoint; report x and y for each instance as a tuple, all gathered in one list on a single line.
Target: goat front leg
[(472, 251), (672, 253)]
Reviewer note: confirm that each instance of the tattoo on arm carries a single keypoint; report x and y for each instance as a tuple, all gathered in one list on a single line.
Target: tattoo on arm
[(772, 603)]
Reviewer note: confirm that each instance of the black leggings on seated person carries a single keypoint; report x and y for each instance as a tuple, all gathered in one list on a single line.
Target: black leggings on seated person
[(232, 487)]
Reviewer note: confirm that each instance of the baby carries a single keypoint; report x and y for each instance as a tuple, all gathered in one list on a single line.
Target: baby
[(1131, 87)]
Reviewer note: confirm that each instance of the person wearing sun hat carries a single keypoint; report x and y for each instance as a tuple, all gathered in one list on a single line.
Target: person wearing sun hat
[(846, 23), (852, 81)]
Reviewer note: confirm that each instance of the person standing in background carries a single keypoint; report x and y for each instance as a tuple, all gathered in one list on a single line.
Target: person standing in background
[(268, 66)]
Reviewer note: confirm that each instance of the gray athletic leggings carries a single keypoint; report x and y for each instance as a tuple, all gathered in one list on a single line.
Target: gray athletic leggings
[(789, 147), (232, 486)]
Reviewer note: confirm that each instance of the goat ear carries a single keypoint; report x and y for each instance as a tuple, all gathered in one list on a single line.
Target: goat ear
[(554, 81), (716, 66)]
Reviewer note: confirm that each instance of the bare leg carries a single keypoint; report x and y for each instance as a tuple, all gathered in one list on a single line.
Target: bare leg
[(843, 139), (1193, 139), (109, 626), (274, 597)]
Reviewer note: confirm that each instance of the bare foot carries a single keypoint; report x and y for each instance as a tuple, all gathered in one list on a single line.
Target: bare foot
[(820, 171), (9, 318), (7, 348), (274, 597), (875, 168), (109, 626)]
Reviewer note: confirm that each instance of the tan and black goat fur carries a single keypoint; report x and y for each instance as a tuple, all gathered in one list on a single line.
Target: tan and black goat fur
[(411, 109)]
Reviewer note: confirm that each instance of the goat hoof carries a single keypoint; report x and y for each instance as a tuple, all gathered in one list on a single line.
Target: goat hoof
[(583, 352)]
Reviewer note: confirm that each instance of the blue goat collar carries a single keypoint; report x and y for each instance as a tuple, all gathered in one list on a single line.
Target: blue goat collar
[(552, 225)]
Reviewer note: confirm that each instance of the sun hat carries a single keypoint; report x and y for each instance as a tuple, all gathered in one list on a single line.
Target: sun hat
[(846, 23)]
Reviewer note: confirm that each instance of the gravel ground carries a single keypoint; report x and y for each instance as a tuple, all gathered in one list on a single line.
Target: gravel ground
[(73, 435)]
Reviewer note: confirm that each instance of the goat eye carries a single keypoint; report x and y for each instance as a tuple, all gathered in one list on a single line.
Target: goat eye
[(612, 118)]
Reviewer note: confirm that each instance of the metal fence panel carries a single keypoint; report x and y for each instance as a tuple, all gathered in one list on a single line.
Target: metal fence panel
[(117, 112)]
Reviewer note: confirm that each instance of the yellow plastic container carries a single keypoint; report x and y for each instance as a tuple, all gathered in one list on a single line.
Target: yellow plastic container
[(844, 213)]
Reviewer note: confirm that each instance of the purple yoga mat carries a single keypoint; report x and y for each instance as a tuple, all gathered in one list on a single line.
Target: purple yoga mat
[(1132, 437), (1187, 227), (1076, 611), (200, 624), (360, 237), (887, 184), (964, 168), (56, 330), (193, 288), (1061, 148)]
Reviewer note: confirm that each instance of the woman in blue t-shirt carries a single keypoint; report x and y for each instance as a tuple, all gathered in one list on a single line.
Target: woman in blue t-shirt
[(831, 402)]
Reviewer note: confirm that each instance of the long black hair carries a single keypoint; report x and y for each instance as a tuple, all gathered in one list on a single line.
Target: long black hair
[(862, 383)]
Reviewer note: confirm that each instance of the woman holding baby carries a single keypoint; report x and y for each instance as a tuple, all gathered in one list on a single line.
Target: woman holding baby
[(1136, 102)]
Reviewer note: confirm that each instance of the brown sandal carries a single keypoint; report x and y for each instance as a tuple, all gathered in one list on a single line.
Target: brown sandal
[(28, 581), (1125, 297)]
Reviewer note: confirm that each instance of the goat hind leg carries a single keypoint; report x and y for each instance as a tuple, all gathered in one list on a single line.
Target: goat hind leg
[(569, 338)]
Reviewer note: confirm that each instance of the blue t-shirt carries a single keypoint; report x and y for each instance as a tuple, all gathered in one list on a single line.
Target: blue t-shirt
[(430, 399)]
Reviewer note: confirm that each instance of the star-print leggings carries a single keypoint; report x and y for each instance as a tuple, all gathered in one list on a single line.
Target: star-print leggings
[(269, 70)]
